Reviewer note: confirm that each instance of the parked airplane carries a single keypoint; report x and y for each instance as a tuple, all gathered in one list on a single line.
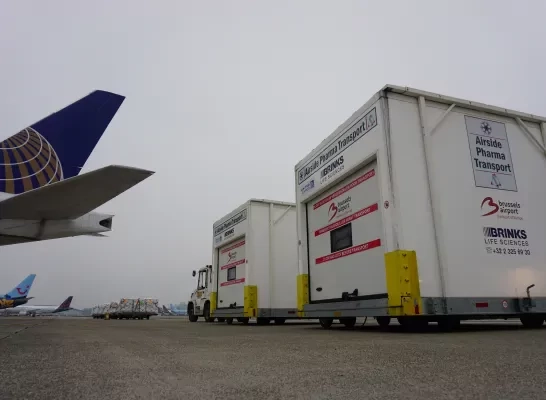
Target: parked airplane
[(42, 195), (18, 295), (176, 311), (42, 310)]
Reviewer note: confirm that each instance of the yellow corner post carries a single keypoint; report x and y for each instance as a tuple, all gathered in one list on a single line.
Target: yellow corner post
[(251, 301), (302, 292), (403, 283), (212, 303)]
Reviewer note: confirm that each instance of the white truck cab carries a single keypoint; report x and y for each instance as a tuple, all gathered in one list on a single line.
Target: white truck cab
[(200, 301)]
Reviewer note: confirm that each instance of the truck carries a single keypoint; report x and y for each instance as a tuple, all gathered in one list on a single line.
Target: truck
[(199, 304), (254, 258), (424, 208)]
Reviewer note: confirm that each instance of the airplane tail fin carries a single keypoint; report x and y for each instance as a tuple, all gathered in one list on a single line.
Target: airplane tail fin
[(65, 305), (22, 289), (56, 147)]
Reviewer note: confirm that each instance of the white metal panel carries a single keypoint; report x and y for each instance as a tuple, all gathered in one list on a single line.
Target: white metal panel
[(284, 257), (228, 232), (413, 211), (470, 218), (258, 257), (231, 274), (356, 261), (361, 141)]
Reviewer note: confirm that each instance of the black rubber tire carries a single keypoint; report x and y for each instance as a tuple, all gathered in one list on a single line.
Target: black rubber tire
[(383, 322), (349, 322), (221, 319), (206, 313), (279, 321), (191, 316), (244, 320), (532, 321), (449, 324), (326, 323), (263, 321), (413, 324), (229, 321)]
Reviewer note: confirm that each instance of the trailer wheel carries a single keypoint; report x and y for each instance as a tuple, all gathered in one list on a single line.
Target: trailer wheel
[(449, 324), (243, 320), (221, 319), (383, 322), (532, 321), (229, 321), (413, 323), (326, 323), (263, 321), (191, 316), (280, 321), (349, 322)]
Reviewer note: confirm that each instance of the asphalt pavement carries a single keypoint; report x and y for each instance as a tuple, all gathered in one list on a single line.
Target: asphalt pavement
[(170, 358)]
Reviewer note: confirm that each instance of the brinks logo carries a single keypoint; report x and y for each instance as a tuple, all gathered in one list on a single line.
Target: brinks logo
[(507, 233)]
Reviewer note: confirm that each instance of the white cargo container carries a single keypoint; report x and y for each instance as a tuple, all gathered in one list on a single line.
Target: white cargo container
[(255, 258), (425, 208)]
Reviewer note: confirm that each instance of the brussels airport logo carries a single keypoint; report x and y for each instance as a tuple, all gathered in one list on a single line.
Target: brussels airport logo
[(332, 211), (341, 208), (232, 255), (486, 128), (34, 159), (501, 209)]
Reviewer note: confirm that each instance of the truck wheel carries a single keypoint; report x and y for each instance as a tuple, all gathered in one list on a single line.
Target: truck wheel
[(449, 324), (349, 322), (532, 321), (243, 320), (206, 313), (326, 323), (280, 321), (413, 324), (191, 316), (229, 321), (383, 322), (263, 321), (221, 319)]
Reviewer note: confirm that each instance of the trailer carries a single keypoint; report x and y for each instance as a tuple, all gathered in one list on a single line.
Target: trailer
[(135, 308), (424, 208), (254, 259)]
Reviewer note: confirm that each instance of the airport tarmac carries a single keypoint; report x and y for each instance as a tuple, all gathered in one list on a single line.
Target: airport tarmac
[(170, 358)]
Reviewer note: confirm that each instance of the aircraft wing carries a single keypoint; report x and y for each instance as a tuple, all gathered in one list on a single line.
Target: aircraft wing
[(71, 198)]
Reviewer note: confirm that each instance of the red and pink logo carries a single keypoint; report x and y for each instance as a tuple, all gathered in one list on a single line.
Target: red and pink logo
[(489, 207), (332, 211)]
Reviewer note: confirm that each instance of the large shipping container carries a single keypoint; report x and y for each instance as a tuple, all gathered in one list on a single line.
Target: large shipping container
[(254, 262), (425, 208)]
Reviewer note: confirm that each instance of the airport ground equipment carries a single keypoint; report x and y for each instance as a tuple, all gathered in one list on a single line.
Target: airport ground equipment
[(127, 308), (254, 261), (424, 208)]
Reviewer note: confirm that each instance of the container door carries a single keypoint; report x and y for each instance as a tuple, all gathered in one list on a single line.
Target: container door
[(345, 245), (231, 274)]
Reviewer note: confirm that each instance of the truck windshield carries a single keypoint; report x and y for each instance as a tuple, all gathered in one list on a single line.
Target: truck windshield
[(202, 281)]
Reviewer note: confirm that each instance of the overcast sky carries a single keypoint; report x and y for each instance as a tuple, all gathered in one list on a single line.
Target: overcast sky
[(223, 99)]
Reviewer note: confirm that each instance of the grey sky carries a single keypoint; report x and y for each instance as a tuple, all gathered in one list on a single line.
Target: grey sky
[(223, 98)]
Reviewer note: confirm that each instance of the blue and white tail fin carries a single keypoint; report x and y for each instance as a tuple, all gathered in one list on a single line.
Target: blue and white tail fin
[(21, 290), (56, 147)]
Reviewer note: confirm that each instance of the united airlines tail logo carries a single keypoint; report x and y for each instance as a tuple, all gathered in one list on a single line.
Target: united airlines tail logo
[(28, 161)]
